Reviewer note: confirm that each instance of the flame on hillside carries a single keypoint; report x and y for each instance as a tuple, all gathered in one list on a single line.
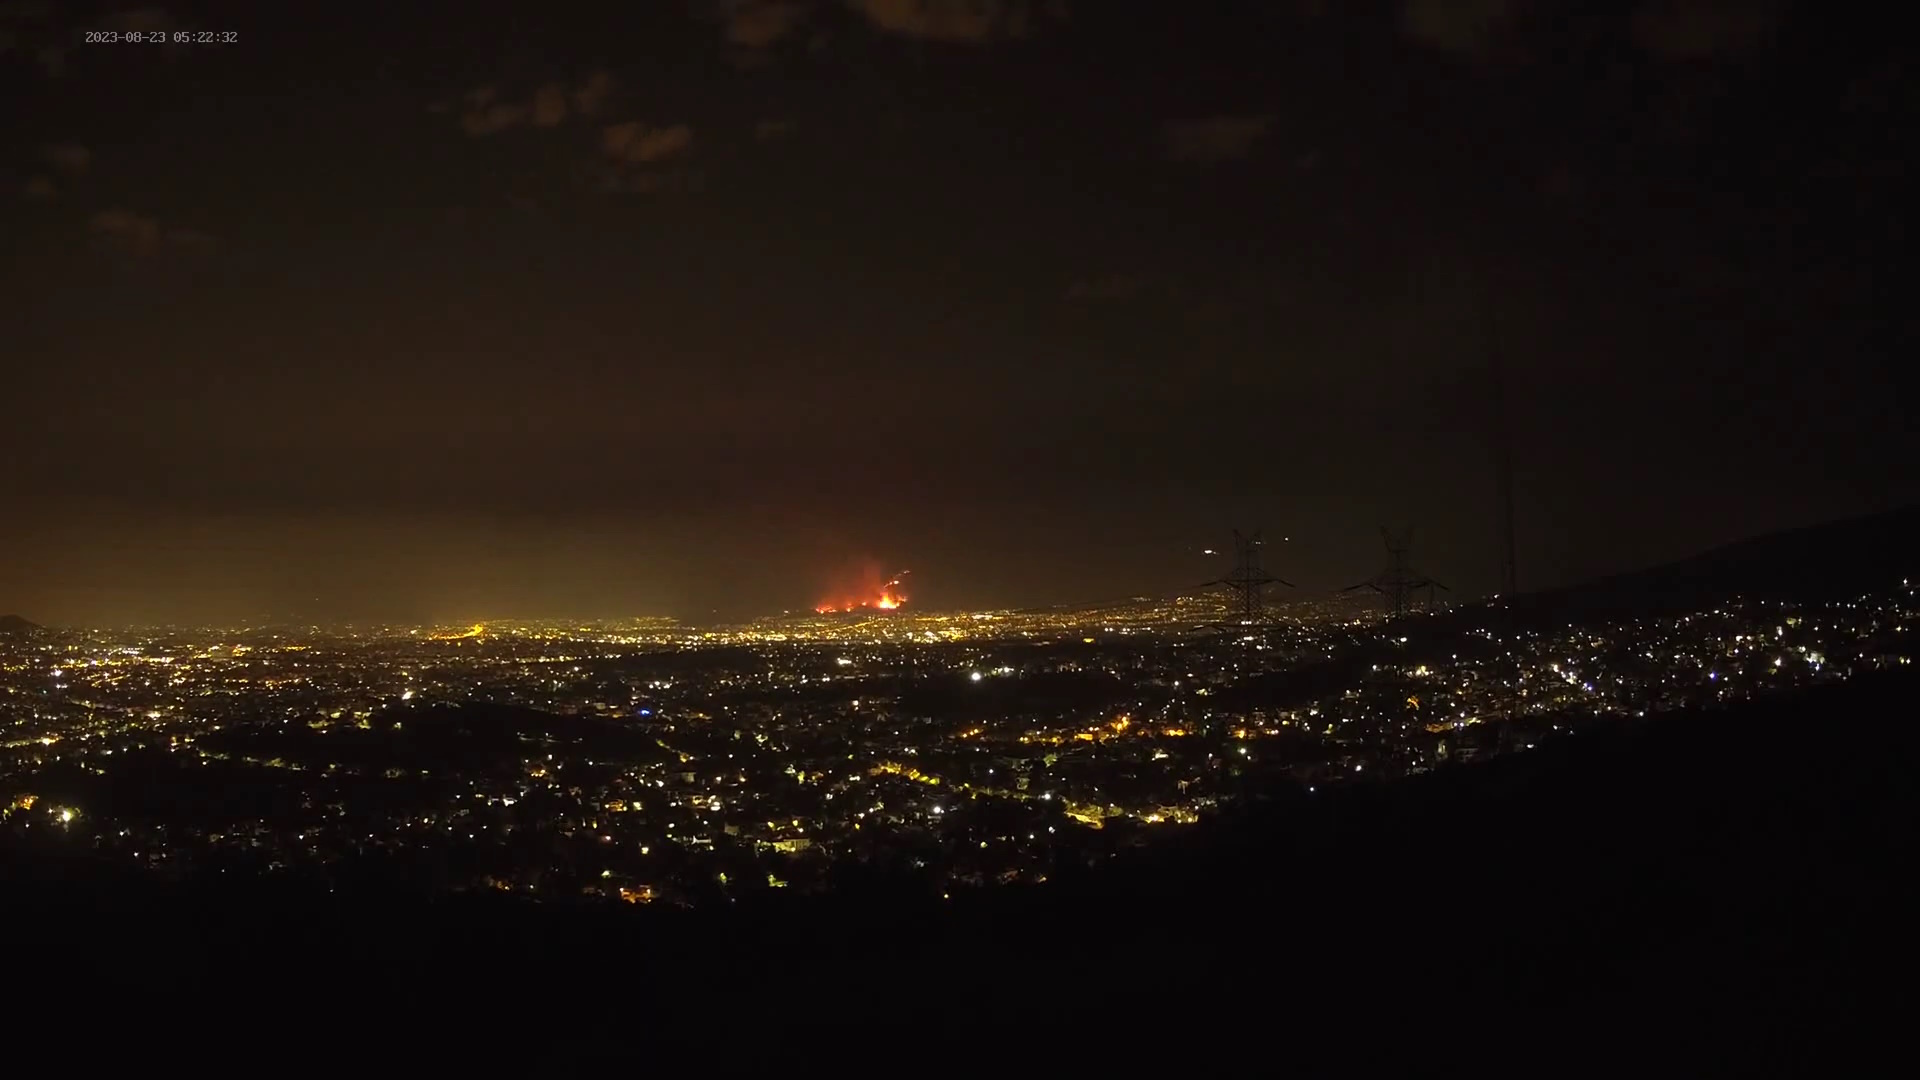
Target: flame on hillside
[(868, 593)]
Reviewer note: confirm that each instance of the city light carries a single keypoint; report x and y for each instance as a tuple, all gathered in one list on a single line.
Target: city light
[(798, 738)]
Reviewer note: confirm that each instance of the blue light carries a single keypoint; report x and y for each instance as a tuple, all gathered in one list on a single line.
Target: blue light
[(646, 712)]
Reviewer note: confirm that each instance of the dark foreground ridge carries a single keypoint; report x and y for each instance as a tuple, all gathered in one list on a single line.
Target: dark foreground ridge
[(1733, 862)]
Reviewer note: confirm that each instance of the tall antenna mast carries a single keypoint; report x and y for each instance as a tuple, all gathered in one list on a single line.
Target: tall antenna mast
[(1502, 441)]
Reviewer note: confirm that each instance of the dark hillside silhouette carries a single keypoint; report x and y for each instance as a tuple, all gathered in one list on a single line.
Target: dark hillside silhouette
[(1713, 862), (1833, 561)]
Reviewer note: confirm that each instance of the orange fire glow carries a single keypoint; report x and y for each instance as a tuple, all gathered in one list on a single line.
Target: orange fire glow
[(873, 596)]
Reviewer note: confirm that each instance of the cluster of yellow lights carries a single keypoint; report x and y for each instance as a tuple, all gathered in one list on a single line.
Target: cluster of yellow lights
[(1113, 729), (1092, 815), (65, 814), (894, 768), (20, 802)]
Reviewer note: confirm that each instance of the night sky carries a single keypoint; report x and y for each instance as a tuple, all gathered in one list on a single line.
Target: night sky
[(470, 311)]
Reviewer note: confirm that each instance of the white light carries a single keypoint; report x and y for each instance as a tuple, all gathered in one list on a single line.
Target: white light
[(975, 676), (408, 696), (66, 816), (937, 810)]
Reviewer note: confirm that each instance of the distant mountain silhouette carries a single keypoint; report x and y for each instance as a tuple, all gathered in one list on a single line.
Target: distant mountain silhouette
[(14, 625), (1820, 562)]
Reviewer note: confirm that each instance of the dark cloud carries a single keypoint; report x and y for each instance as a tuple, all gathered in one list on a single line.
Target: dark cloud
[(1106, 287), (641, 159), (592, 92), (139, 234), (630, 180), (549, 105), (72, 159), (487, 113), (772, 130), (1696, 29), (754, 27), (28, 31), (961, 21), (758, 24), (147, 20), (134, 231), (636, 143), (1458, 26), (1214, 139), (491, 119), (1670, 29)]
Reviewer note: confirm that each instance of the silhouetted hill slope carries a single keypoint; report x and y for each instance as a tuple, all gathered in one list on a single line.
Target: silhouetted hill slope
[(14, 624), (1822, 562), (1834, 561), (1745, 863)]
